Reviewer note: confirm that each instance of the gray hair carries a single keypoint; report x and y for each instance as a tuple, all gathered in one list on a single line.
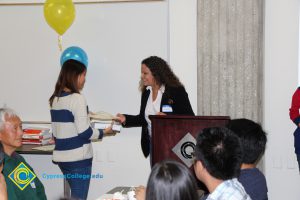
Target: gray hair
[(6, 113)]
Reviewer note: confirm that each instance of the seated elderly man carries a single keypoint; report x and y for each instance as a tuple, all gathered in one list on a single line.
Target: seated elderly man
[(20, 179)]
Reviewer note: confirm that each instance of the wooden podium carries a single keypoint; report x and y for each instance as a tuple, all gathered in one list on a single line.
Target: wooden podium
[(168, 130)]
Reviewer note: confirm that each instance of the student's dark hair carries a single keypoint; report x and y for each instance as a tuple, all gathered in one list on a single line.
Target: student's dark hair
[(161, 72), (68, 78), (171, 180), (252, 137), (220, 152)]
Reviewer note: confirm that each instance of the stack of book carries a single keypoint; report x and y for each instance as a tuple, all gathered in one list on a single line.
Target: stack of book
[(36, 135), (102, 120), (98, 124)]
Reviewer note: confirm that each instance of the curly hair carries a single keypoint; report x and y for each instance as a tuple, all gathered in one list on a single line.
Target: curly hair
[(161, 71)]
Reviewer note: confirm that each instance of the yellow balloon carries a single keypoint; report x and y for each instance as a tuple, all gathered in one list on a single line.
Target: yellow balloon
[(59, 14)]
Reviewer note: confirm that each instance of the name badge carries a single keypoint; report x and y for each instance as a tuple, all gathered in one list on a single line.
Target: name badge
[(32, 184), (167, 108)]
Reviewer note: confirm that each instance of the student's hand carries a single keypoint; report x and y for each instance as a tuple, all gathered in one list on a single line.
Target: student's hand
[(120, 118), (140, 193), (109, 132), (52, 141)]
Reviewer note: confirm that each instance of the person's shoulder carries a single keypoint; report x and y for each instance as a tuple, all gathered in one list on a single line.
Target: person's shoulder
[(21, 159), (179, 88), (251, 171), (251, 176), (146, 91), (15, 155), (228, 189), (78, 98), (77, 95), (297, 92)]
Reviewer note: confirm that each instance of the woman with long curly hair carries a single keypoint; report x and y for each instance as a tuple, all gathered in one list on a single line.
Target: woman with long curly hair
[(162, 94)]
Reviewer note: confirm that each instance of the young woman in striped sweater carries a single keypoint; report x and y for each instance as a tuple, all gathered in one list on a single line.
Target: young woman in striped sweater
[(72, 130)]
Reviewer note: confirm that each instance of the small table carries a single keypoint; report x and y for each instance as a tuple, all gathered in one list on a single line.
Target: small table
[(124, 190), (27, 149), (109, 194)]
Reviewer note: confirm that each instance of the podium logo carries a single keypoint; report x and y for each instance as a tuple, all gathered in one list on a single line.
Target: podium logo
[(184, 149), (187, 150), (22, 176)]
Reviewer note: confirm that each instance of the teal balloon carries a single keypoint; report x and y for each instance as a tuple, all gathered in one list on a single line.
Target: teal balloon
[(74, 53)]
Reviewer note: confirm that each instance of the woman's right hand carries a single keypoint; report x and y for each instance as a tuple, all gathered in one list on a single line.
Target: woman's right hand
[(120, 118)]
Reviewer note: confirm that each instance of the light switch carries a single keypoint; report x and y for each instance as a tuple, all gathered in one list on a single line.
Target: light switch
[(277, 162), (291, 163)]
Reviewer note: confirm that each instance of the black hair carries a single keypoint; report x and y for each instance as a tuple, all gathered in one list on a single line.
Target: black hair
[(252, 137), (171, 180), (161, 71), (68, 78), (220, 152)]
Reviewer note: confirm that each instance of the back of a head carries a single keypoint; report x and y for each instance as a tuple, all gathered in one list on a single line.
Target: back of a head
[(171, 180), (68, 78), (253, 138), (220, 152), (69, 74)]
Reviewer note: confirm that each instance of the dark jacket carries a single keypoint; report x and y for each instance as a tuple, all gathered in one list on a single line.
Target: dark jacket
[(32, 188), (176, 97)]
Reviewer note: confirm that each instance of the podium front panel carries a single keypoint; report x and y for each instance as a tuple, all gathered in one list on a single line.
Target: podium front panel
[(168, 130)]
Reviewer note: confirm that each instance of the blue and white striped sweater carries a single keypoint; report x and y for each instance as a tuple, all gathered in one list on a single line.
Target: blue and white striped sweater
[(72, 131)]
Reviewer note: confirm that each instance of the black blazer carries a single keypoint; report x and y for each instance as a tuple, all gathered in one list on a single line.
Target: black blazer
[(176, 97)]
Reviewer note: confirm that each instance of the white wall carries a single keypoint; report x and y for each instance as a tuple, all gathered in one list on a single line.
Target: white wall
[(116, 37), (183, 44), (281, 61)]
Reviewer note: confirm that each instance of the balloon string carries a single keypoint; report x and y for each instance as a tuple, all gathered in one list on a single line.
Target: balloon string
[(60, 42)]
